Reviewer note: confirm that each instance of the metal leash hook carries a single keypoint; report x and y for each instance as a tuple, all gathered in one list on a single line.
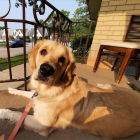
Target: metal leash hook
[(35, 94)]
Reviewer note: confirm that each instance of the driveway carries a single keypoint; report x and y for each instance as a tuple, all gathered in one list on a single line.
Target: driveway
[(14, 51)]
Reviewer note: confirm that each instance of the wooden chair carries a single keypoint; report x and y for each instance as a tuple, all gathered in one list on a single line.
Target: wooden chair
[(131, 48)]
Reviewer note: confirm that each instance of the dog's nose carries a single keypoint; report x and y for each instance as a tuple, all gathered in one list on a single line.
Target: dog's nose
[(46, 70)]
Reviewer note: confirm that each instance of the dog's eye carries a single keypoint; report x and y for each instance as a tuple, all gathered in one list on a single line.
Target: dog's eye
[(61, 59), (43, 52)]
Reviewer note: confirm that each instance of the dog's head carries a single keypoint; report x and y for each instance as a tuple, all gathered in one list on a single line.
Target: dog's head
[(51, 62)]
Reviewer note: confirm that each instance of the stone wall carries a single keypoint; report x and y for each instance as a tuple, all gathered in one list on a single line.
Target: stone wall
[(113, 21)]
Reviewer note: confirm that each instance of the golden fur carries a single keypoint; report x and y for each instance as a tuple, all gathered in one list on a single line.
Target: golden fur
[(65, 100)]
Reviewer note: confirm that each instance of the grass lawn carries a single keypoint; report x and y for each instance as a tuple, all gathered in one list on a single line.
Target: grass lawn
[(2, 44), (17, 60)]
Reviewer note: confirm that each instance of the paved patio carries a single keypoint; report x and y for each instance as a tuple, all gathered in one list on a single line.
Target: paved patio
[(18, 103)]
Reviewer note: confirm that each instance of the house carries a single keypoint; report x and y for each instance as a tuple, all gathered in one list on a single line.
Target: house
[(39, 33), (113, 18), (19, 33), (10, 33), (14, 32)]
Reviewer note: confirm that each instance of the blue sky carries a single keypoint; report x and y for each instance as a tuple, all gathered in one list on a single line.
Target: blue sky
[(16, 13)]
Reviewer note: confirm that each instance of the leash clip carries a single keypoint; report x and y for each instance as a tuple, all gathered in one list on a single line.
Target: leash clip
[(35, 94)]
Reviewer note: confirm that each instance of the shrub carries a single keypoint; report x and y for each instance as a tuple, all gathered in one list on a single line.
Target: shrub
[(75, 45), (12, 37), (40, 38), (27, 37)]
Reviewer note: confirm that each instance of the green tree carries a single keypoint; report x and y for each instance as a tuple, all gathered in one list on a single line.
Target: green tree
[(40, 38), (49, 23), (66, 13), (41, 21), (19, 3), (80, 13), (12, 37), (27, 37)]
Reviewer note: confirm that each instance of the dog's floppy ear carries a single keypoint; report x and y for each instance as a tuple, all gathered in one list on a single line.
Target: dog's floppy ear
[(70, 69), (32, 57)]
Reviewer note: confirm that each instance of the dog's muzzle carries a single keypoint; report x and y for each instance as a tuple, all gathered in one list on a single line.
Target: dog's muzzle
[(46, 70)]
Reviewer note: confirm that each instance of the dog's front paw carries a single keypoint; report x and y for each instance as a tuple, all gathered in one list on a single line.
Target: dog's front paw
[(4, 113), (12, 91), (99, 85)]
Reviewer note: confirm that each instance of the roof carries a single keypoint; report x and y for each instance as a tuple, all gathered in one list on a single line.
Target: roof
[(22, 30), (40, 30), (10, 31), (94, 8)]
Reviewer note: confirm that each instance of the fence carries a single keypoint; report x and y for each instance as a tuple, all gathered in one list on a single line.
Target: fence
[(82, 47), (60, 25)]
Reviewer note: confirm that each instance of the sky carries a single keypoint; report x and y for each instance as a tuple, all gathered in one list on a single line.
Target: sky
[(16, 13)]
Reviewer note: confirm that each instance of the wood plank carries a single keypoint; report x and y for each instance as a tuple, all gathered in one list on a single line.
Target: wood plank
[(133, 37), (136, 18), (135, 26), (114, 55), (134, 31), (117, 49)]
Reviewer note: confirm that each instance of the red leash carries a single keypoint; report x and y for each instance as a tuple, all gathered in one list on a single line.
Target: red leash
[(30, 104)]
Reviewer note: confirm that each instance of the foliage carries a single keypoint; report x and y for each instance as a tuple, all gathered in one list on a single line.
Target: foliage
[(41, 21), (27, 37), (19, 3), (12, 37), (49, 23), (30, 2), (81, 15), (75, 45), (40, 38), (2, 27), (66, 13)]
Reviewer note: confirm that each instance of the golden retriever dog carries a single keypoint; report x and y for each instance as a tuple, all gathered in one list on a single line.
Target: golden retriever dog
[(65, 100)]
